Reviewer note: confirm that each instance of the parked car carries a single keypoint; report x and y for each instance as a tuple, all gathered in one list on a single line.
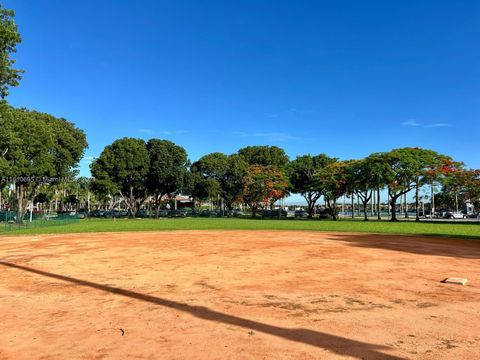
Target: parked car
[(453, 215), (323, 213), (301, 213), (120, 213), (427, 214), (97, 213), (108, 214)]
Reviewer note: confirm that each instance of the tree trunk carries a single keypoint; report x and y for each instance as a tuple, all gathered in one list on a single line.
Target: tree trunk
[(254, 211), (365, 217), (417, 215), (372, 203), (20, 203), (334, 210), (379, 207), (131, 203), (393, 204), (157, 205), (353, 207), (310, 205), (229, 207)]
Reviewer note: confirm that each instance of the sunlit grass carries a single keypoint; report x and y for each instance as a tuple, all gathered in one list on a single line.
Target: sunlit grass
[(459, 230)]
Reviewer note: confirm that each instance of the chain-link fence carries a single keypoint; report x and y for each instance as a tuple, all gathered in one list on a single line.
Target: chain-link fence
[(8, 220)]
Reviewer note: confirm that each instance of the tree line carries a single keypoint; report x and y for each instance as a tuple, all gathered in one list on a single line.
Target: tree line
[(39, 155), (259, 176)]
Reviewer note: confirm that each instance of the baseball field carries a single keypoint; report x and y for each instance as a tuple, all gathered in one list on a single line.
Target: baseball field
[(242, 294)]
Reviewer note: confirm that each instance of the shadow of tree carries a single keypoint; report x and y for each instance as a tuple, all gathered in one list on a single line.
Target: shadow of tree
[(337, 344), (468, 249)]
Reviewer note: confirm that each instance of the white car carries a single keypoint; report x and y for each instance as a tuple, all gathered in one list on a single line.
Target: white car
[(454, 215)]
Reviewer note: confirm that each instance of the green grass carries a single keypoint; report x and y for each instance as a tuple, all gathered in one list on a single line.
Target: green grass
[(455, 230)]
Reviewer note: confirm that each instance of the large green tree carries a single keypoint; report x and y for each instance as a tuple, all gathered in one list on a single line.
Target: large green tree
[(199, 186), (410, 168), (430, 166), (38, 148), (168, 169), (122, 168), (9, 38), (399, 175), (374, 168), (460, 187), (363, 183), (302, 177), (223, 173), (334, 181)]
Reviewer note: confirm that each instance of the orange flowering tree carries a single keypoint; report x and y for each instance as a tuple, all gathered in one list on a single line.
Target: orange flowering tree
[(263, 186), (334, 181)]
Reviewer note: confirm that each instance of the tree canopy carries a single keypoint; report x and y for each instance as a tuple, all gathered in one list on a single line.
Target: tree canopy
[(9, 38), (265, 156), (223, 174), (263, 186), (38, 148), (334, 181), (302, 177), (123, 168), (168, 168)]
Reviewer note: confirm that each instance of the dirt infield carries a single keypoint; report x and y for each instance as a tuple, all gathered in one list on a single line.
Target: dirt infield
[(238, 295)]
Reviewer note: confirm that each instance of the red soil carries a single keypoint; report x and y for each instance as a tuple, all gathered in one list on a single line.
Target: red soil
[(238, 295)]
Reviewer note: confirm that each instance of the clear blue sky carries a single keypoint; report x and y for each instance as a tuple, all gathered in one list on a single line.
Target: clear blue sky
[(342, 77)]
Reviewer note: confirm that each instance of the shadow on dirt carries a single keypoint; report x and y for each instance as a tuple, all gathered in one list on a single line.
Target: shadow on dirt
[(468, 249), (329, 342)]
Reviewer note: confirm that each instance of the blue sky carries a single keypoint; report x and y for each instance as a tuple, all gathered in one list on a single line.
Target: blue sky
[(342, 77)]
